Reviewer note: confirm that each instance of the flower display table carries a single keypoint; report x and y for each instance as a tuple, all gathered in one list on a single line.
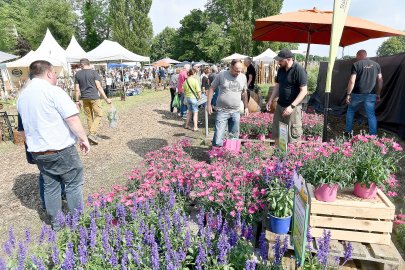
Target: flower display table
[(351, 218)]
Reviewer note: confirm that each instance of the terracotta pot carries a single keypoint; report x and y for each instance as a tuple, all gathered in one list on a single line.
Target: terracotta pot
[(326, 192), (363, 192)]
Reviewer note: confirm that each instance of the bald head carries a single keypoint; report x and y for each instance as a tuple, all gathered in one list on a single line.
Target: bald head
[(362, 54)]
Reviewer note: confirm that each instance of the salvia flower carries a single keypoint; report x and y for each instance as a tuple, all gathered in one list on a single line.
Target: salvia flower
[(263, 247), (22, 253), (155, 256), (348, 253), (223, 248), (250, 265), (323, 248), (55, 255), (201, 257), (68, 263)]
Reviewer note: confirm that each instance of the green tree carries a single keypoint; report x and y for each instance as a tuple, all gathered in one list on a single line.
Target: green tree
[(131, 26), (95, 26), (163, 44), (189, 36), (391, 46), (215, 43)]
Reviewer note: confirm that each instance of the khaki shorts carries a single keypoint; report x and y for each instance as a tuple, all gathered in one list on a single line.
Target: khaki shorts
[(294, 122)]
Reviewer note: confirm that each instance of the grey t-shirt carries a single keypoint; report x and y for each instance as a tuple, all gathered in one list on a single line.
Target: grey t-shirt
[(86, 79), (230, 90)]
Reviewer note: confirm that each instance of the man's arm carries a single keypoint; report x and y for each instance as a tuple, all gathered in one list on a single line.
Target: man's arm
[(380, 83), (102, 93), (274, 94), (250, 79), (210, 94), (245, 101), (297, 100), (77, 92), (350, 87), (76, 127)]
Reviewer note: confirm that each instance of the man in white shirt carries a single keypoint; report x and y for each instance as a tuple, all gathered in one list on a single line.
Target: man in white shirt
[(52, 127)]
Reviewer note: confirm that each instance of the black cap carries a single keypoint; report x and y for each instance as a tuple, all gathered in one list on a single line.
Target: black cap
[(284, 54)]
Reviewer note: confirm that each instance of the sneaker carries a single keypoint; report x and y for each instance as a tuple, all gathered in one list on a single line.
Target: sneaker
[(184, 117), (92, 139)]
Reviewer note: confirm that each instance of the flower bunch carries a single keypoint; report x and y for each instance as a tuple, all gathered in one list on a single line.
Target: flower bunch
[(312, 124), (374, 159), (256, 123)]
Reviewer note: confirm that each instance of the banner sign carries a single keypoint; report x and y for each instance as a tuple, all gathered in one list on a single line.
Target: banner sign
[(340, 10)]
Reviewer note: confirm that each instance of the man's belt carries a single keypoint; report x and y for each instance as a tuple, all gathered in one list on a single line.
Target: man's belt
[(48, 152)]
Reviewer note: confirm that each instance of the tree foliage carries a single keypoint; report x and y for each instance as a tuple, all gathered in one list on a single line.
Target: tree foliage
[(131, 26), (393, 45), (163, 44)]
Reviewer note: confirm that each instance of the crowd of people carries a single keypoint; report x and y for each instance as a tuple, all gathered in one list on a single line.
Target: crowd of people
[(50, 124)]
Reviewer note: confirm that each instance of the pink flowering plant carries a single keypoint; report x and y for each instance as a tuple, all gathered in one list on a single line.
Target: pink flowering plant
[(312, 124), (375, 159), (327, 163)]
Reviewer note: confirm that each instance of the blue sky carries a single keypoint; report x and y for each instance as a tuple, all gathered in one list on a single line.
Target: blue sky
[(386, 12)]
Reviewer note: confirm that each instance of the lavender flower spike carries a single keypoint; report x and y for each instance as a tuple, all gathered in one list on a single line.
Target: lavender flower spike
[(263, 247), (348, 253), (250, 265)]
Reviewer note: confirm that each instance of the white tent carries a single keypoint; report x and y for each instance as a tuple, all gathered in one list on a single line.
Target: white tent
[(74, 52), (169, 60), (266, 56), (113, 51), (6, 56), (51, 49), (235, 56), (18, 69)]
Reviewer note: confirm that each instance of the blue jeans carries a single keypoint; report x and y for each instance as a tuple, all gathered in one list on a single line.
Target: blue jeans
[(183, 104), (61, 167), (369, 105), (42, 190), (223, 119)]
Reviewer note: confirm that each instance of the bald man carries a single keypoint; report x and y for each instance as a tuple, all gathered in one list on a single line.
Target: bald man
[(361, 90)]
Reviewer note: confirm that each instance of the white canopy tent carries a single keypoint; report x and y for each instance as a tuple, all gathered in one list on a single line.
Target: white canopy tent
[(113, 51), (235, 56), (74, 52), (51, 49), (266, 57), (169, 60), (6, 56)]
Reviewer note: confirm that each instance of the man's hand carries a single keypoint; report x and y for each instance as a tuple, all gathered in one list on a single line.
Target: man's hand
[(348, 99), (268, 105), (246, 111), (287, 111), (108, 100), (209, 109), (84, 146), (78, 105)]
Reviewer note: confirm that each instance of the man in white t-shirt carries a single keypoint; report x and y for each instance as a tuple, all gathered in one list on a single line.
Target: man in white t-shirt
[(52, 127)]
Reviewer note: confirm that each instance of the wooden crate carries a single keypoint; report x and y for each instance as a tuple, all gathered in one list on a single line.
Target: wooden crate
[(365, 256), (351, 218)]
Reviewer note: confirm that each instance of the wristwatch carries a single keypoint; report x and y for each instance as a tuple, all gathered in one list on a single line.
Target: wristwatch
[(292, 106)]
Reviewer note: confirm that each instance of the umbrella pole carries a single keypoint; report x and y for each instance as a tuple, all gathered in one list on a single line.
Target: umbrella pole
[(308, 47)]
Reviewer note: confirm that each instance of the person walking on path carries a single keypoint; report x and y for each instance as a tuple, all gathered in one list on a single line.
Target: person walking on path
[(232, 89), (365, 75), (291, 89), (192, 91), (88, 85), (174, 78), (182, 78), (52, 127)]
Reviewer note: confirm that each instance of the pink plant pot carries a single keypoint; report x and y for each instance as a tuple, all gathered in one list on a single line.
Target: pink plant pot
[(269, 135), (261, 137), (363, 192), (326, 193)]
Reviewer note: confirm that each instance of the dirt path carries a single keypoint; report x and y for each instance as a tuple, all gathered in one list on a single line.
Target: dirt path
[(145, 124)]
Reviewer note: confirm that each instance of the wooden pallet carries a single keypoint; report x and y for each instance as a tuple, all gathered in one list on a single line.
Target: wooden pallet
[(366, 256), (351, 218)]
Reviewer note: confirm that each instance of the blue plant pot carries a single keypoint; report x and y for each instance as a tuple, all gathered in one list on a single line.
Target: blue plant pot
[(280, 225)]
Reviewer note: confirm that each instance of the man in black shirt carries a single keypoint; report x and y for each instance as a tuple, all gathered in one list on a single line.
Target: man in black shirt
[(361, 89), (88, 84), (290, 88)]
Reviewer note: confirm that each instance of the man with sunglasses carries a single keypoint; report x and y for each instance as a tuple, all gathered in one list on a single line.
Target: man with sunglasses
[(232, 89), (291, 89)]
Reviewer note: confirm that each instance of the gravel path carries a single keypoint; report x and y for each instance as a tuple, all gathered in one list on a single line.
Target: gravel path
[(145, 124)]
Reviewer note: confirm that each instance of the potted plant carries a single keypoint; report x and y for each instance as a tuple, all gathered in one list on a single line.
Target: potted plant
[(244, 130), (375, 159), (327, 168), (280, 198), (262, 131)]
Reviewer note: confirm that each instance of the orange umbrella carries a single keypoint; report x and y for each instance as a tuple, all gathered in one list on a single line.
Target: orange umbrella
[(161, 63), (314, 27)]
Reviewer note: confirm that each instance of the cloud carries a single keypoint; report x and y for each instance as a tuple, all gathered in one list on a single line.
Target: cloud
[(165, 13)]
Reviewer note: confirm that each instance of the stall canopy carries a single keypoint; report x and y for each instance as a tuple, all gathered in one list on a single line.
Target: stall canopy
[(6, 56), (113, 51), (74, 52), (236, 56), (51, 49), (170, 61), (266, 56)]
